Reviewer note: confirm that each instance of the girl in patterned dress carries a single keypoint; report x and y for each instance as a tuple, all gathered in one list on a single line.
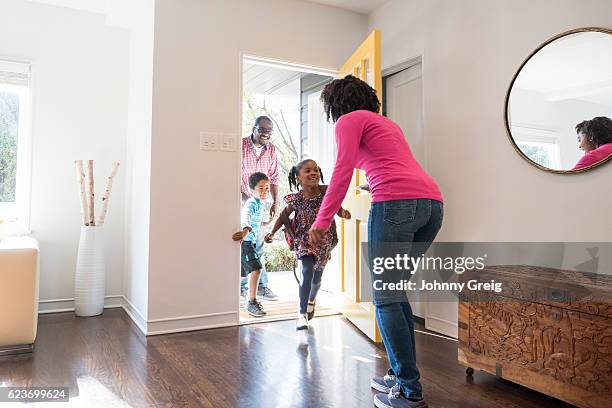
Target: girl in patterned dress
[(304, 204)]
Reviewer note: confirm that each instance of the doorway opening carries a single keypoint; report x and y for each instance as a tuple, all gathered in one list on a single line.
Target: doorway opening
[(288, 95)]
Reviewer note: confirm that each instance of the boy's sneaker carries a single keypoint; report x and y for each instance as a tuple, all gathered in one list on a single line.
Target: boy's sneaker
[(384, 384), (255, 308), (395, 399), (310, 310), (266, 294), (302, 322)]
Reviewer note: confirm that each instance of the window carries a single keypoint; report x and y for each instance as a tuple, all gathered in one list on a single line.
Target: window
[(14, 141), (544, 153), (540, 144)]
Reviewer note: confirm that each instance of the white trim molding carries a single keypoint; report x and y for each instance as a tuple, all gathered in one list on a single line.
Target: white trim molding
[(189, 323), (67, 305), (447, 327), (149, 327)]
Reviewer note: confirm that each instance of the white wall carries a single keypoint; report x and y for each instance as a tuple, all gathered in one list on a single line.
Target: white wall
[(194, 196), (139, 19), (471, 50), (79, 112)]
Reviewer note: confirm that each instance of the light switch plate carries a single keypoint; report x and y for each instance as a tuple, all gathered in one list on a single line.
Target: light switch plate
[(227, 142), (209, 141)]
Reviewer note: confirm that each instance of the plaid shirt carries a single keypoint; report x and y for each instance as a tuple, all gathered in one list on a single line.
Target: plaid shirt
[(266, 163)]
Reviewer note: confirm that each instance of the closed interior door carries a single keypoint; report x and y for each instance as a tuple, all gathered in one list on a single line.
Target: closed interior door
[(404, 103)]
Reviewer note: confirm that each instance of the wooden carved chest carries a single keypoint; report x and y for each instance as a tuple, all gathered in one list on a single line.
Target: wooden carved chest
[(548, 329)]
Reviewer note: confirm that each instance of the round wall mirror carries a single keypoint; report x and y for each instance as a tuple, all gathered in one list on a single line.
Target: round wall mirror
[(559, 104)]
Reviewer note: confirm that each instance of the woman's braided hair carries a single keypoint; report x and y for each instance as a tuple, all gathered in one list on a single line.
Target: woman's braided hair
[(348, 94)]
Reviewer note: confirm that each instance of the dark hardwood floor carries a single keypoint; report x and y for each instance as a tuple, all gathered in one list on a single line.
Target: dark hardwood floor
[(106, 362)]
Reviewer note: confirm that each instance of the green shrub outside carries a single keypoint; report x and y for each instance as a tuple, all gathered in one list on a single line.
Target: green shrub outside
[(278, 257)]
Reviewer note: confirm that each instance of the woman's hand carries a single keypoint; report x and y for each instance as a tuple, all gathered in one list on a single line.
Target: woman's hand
[(269, 238), (316, 235), (239, 236)]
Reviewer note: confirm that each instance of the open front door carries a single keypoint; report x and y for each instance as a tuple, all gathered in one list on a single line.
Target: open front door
[(355, 280)]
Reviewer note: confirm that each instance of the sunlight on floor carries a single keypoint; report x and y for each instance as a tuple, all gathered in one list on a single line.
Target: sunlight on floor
[(92, 394)]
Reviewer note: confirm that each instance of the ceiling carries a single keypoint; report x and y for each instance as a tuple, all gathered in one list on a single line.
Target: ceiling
[(264, 79), (359, 6), (573, 67)]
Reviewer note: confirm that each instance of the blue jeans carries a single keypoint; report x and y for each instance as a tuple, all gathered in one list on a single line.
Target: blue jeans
[(263, 278), (310, 282), (409, 227)]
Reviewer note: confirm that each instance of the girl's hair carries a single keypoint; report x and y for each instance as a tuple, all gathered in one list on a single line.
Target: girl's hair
[(598, 130), (346, 95), (295, 170)]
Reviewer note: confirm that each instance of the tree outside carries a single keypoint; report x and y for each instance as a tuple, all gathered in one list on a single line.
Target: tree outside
[(284, 139), (9, 125)]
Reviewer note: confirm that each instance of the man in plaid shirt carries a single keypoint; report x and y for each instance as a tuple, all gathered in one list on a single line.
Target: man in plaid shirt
[(259, 155)]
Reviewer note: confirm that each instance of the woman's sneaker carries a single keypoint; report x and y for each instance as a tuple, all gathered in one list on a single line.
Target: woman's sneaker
[(255, 308), (385, 383), (310, 310), (395, 399), (302, 322)]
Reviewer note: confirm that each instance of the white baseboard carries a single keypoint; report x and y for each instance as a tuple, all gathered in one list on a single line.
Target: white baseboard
[(190, 323), (447, 327), (132, 311), (149, 327), (67, 305)]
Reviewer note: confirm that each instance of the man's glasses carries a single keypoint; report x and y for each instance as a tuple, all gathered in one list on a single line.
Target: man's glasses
[(264, 131)]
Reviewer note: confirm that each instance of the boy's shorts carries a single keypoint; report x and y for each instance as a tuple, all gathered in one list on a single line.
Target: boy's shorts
[(250, 261)]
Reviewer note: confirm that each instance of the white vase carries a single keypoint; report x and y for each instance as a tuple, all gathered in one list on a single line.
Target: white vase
[(89, 279)]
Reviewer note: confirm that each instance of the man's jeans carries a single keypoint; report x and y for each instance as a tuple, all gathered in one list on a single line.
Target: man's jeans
[(259, 249), (404, 227)]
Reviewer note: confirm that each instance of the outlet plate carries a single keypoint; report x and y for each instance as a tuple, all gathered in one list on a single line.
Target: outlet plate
[(209, 141), (227, 142)]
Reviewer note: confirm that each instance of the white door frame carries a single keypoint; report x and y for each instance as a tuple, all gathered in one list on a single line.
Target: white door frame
[(276, 63)]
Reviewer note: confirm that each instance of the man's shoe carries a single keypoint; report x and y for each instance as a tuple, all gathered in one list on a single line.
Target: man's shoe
[(310, 310), (255, 308), (243, 292), (384, 384), (266, 294), (302, 322), (395, 399)]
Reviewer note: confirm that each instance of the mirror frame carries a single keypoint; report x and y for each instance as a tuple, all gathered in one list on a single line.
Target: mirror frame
[(507, 101)]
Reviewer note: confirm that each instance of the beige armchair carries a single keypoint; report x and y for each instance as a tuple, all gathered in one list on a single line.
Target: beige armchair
[(19, 276)]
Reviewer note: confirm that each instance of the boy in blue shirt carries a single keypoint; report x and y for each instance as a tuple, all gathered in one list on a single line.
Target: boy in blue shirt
[(250, 220)]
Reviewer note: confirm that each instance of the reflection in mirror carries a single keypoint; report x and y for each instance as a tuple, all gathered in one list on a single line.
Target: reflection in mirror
[(560, 104)]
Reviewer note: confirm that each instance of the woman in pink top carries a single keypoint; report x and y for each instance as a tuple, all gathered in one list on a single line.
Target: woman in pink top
[(595, 138), (405, 216)]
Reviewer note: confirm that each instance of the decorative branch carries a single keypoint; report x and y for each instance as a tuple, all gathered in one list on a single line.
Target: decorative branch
[(288, 132), (81, 180), (105, 198), (280, 132), (90, 179)]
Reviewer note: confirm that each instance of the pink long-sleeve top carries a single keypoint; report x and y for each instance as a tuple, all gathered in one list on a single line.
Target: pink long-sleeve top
[(376, 144), (594, 156)]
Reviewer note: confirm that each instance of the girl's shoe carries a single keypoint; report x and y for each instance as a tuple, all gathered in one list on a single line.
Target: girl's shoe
[(302, 322), (310, 309)]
